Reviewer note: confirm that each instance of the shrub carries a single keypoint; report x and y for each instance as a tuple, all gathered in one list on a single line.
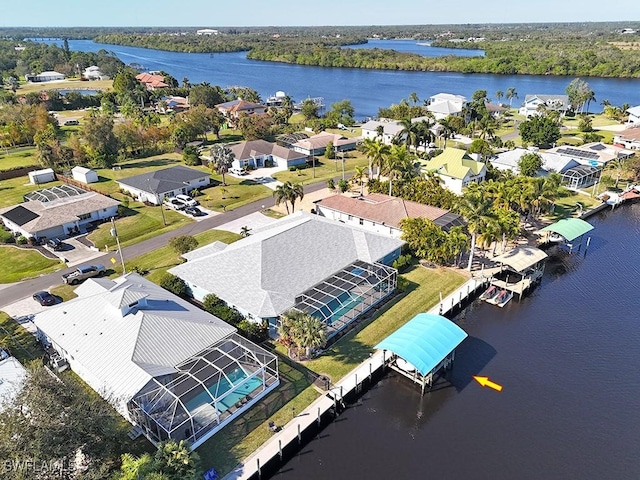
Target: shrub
[(175, 285), (402, 262), (183, 243), (7, 237), (331, 184), (21, 240), (343, 186), (253, 331), (210, 302)]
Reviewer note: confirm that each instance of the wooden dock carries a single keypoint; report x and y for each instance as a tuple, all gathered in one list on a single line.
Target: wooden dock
[(460, 295)]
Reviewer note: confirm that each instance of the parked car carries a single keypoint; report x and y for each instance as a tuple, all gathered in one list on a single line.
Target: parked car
[(237, 171), (175, 203), (44, 298), (55, 244), (82, 273), (194, 212), (72, 122), (188, 201)]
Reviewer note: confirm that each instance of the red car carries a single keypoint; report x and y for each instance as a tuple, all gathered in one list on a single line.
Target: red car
[(44, 298)]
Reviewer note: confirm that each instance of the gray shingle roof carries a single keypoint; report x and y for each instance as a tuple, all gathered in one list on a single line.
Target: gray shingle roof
[(163, 181), (263, 273)]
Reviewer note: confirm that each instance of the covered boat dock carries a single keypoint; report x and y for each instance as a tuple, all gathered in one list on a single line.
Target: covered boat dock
[(422, 347), (526, 263), (569, 229)]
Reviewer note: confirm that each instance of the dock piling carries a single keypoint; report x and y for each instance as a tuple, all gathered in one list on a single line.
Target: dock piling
[(318, 416), (299, 435), (259, 471), (280, 448)]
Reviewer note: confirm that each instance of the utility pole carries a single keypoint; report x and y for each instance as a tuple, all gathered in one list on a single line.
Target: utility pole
[(114, 233)]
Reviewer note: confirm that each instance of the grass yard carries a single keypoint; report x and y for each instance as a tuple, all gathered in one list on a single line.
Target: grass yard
[(247, 433), (566, 205), (19, 264), (162, 259), (13, 189), (140, 223), (65, 85), (65, 292), (17, 157), (597, 120), (18, 340), (236, 193), (423, 293), (326, 170)]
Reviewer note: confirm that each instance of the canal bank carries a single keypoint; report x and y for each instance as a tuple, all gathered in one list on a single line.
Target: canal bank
[(567, 358)]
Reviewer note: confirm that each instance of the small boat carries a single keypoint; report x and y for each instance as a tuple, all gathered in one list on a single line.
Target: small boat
[(503, 298), (556, 238), (490, 292), (402, 364)]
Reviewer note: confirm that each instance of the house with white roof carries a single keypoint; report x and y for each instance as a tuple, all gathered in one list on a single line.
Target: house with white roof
[(330, 270), (443, 105), (317, 144), (171, 369), (634, 115), (12, 376), (48, 76), (57, 212), (595, 154), (532, 103), (388, 128), (93, 73), (551, 162), (259, 153)]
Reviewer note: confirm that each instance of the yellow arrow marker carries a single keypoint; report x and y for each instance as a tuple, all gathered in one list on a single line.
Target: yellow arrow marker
[(485, 382)]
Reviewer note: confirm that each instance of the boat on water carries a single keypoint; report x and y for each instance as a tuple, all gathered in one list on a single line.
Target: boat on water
[(402, 364), (502, 298), (490, 292)]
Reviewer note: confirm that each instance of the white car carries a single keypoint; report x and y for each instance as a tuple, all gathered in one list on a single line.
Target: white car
[(175, 203), (237, 171), (187, 200)]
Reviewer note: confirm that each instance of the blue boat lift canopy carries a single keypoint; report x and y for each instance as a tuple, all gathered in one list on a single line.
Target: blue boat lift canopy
[(425, 341)]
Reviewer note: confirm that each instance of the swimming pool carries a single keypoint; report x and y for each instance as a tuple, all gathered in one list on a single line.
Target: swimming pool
[(338, 307), (240, 390)]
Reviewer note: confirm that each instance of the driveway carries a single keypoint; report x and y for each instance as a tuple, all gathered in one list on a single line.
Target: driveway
[(75, 252), (23, 310), (262, 176)]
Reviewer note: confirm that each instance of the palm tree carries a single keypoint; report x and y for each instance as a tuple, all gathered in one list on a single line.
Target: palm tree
[(380, 131), (358, 176), (510, 95), (475, 208), (457, 244), (309, 332), (221, 160), (616, 165), (413, 98), (409, 135), (589, 97), (376, 152), (398, 162), (245, 232), (296, 191), (499, 95), (282, 194), (177, 459)]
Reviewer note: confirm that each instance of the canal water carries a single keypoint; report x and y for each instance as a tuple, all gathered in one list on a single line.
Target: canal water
[(568, 357), (367, 89)]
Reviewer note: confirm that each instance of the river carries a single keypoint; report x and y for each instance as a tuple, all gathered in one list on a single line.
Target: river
[(568, 358), (368, 90)]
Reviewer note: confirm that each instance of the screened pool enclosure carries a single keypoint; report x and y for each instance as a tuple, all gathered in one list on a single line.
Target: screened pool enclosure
[(207, 391), (347, 294)]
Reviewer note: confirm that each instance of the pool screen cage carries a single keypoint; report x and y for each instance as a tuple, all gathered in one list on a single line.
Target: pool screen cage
[(347, 294), (581, 176), (206, 390)]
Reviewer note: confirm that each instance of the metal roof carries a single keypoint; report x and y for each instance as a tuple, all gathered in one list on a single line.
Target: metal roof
[(569, 228), (521, 258), (424, 341)]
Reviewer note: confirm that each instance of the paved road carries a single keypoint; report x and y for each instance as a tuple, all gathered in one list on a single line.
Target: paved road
[(12, 293)]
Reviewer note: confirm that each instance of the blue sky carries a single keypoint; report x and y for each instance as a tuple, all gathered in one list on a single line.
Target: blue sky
[(39, 13)]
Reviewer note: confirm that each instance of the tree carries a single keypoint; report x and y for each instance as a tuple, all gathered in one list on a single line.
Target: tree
[(288, 193), (358, 177), (510, 95), (309, 109), (303, 330), (245, 232), (475, 208), (296, 191), (376, 152), (171, 461), (100, 140), (499, 95), (585, 124), (529, 164), (398, 162), (174, 284), (256, 126), (183, 243), (579, 92), (341, 112), (205, 94), (190, 156), (480, 146), (330, 151), (617, 165), (125, 81), (539, 131), (343, 185), (221, 160)]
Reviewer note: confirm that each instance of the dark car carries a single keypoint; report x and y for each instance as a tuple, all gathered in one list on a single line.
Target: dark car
[(55, 244), (194, 212), (44, 298)]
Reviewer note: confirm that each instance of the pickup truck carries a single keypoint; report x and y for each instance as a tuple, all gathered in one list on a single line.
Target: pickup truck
[(82, 273)]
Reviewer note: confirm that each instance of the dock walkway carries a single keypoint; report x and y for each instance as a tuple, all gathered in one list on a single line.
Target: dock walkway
[(459, 295)]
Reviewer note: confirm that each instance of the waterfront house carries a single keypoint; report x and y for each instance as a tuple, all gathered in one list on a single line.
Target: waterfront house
[(534, 102), (153, 187), (634, 115), (443, 105), (629, 138), (595, 154), (317, 144), (389, 129), (57, 211), (456, 168), (381, 213), (331, 270), (170, 368), (152, 81), (234, 109), (260, 153), (172, 103), (93, 73)]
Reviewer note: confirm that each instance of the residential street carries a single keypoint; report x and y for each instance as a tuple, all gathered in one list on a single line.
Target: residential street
[(12, 293)]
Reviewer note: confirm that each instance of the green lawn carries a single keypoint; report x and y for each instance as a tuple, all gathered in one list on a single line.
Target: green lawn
[(19, 264), (156, 263), (139, 223), (423, 292), (236, 193), (566, 204), (64, 291), (18, 340), (597, 120), (67, 84), (325, 169), (13, 189), (17, 157)]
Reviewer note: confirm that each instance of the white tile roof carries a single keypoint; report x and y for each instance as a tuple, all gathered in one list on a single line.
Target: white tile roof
[(263, 273), (119, 353)]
